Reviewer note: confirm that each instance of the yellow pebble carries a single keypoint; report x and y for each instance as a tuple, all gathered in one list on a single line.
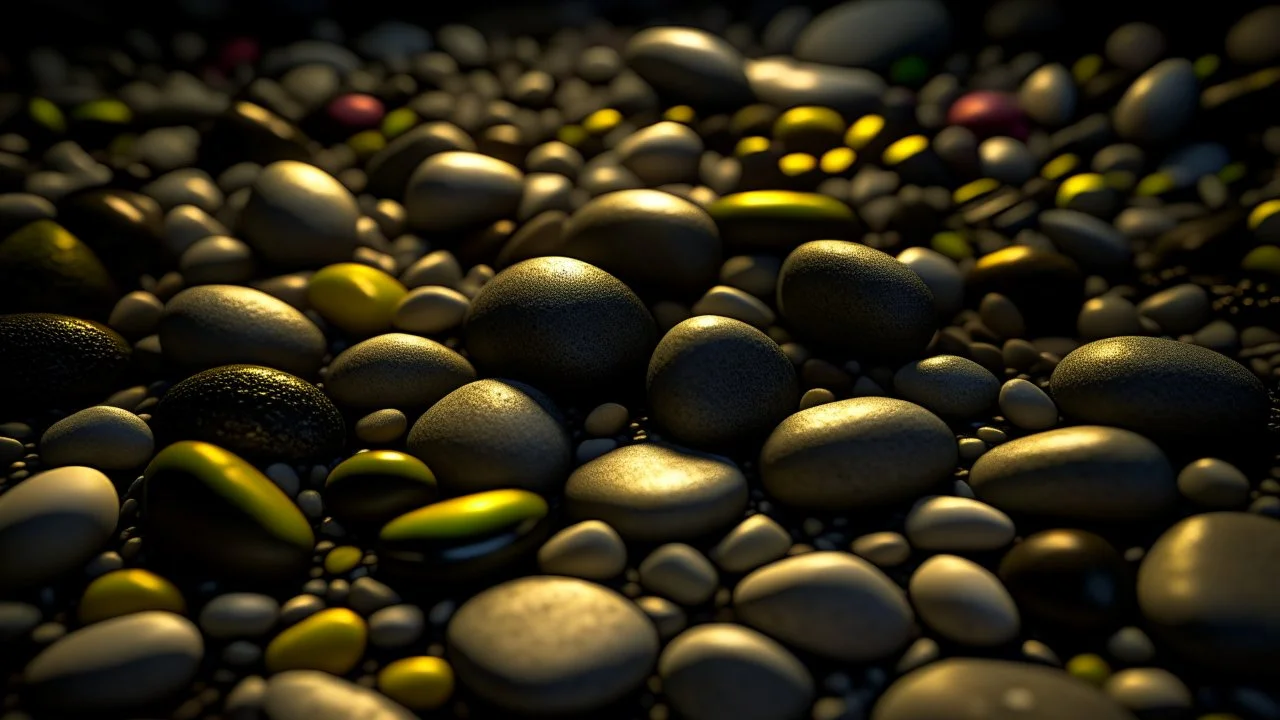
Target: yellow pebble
[(797, 164), (680, 114), (905, 149), (1086, 67), (572, 135), (342, 559), (418, 683), (751, 145), (1059, 166), (1265, 258), (602, 121), (952, 244), (863, 131), (1262, 212), (332, 641), (356, 298), (1077, 185), (975, 189), (1206, 65), (124, 592), (838, 160), (366, 143), (1090, 668)]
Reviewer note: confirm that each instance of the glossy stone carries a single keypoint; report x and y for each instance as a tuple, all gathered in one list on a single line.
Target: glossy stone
[(396, 370), (298, 216), (53, 523), (44, 268), (1069, 578), (454, 190), (356, 298), (780, 219), (331, 640), (723, 671), (378, 485), (125, 592), (689, 66)]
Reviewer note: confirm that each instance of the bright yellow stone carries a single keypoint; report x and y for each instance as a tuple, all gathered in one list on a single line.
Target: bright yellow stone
[(124, 592), (905, 149), (794, 164), (1089, 668), (836, 161), (751, 145), (975, 189), (1086, 67), (1059, 166), (366, 143), (863, 131), (952, 244), (332, 641), (342, 559), (356, 298), (808, 119), (398, 121), (680, 114), (1077, 185), (418, 683), (466, 516), (1262, 212), (602, 121), (1265, 258)]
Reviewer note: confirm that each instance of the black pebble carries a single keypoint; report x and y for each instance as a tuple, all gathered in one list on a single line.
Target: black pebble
[(1069, 578), (54, 360)]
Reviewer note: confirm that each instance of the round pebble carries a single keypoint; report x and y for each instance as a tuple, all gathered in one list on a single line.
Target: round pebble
[(590, 550), (963, 602), (956, 524), (1214, 483), (722, 671), (298, 216), (107, 438), (395, 370), (948, 385), (53, 523)]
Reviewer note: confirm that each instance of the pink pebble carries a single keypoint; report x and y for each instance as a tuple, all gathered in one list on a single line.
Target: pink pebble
[(357, 110), (988, 113)]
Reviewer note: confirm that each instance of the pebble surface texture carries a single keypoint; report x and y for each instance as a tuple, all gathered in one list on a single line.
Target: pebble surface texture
[(859, 360)]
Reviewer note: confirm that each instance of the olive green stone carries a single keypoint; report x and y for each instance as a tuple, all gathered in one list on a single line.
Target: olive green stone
[(780, 219), (465, 536), (47, 114), (378, 485), (398, 121), (44, 268), (106, 110), (208, 508)]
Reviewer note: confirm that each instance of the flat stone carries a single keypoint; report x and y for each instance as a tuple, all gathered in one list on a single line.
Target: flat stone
[(721, 671), (240, 614), (1178, 310), (784, 82), (396, 626), (551, 645)]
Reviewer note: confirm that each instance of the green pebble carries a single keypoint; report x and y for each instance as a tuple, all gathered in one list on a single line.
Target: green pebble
[(398, 121), (780, 218), (47, 114), (952, 244), (106, 110)]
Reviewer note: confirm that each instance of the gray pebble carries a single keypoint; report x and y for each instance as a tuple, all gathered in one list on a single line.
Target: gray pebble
[(606, 420), (185, 224), (431, 310), (1002, 316), (17, 620), (756, 274), (785, 82), (285, 478), (689, 65), (1092, 242), (190, 186), (941, 275), (396, 626), (963, 602), (662, 153), (948, 385), (1214, 483), (241, 653), (381, 427), (458, 190), (1108, 316), (395, 370), (1131, 645), (298, 216), (1159, 104), (756, 541), (435, 268), (217, 259), (1147, 690), (368, 595), (667, 617), (104, 437), (1249, 40), (1027, 406), (1048, 95), (1006, 160), (679, 572), (54, 522), (956, 524), (590, 550), (311, 504), (136, 315), (1179, 309), (733, 303), (314, 695), (544, 192), (242, 614), (721, 671), (874, 33), (830, 603), (1135, 46), (166, 149)]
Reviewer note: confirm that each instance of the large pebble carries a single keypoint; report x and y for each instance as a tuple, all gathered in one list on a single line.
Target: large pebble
[(395, 370), (1159, 104), (722, 671), (784, 82), (857, 299), (1092, 242), (1164, 389), (982, 689), (1180, 309), (856, 453), (390, 169), (1214, 483), (298, 216), (832, 604), (53, 523), (650, 492), (551, 645), (49, 359), (948, 385), (942, 276), (315, 695), (1206, 588), (559, 324), (689, 65), (1068, 578), (875, 33), (1081, 473), (963, 602), (461, 190), (490, 434), (212, 325), (119, 664), (957, 524), (713, 381), (104, 437)]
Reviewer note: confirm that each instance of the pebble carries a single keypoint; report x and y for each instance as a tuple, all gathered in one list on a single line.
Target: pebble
[(590, 550), (1083, 473), (1162, 388), (136, 314), (107, 438), (420, 683), (784, 82), (955, 524), (212, 325), (1068, 578), (1048, 95), (1131, 645), (382, 427), (1214, 483), (396, 626), (662, 153), (722, 671), (945, 688), (1247, 39), (1159, 104), (687, 375), (125, 592), (430, 310), (551, 645), (1146, 690), (679, 572), (116, 665), (331, 640), (948, 385), (1108, 316), (963, 602), (857, 452), (356, 298), (239, 615), (1090, 241), (689, 65), (57, 359), (458, 190), (395, 370), (940, 274), (314, 695), (756, 274), (606, 420), (53, 523), (1027, 406), (736, 304), (491, 434), (1007, 160), (298, 216), (1204, 590), (875, 33), (883, 549), (1178, 310), (17, 620), (829, 603), (756, 541), (585, 330)]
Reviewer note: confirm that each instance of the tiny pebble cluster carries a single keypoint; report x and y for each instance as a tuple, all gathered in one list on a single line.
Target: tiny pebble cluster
[(835, 368)]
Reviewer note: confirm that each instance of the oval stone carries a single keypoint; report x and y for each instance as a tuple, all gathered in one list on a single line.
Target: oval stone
[(104, 437), (857, 452), (875, 33), (53, 523), (395, 370), (457, 190), (116, 665), (551, 645), (780, 219), (378, 485), (315, 695), (331, 640), (690, 66), (1081, 473), (1160, 103), (649, 492), (722, 671), (49, 359), (832, 604), (963, 602), (299, 216), (1172, 391), (948, 385)]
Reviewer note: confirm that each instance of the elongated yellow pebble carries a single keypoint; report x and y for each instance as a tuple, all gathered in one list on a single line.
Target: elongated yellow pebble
[(124, 592), (358, 299), (332, 641), (342, 559), (418, 683)]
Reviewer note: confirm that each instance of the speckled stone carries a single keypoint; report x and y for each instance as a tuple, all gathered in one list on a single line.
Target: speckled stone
[(395, 370), (104, 437), (948, 385), (299, 216)]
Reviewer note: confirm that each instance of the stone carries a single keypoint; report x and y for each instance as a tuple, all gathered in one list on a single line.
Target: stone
[(53, 523), (239, 615), (756, 541), (107, 438), (940, 274), (689, 66), (1068, 578), (355, 298), (722, 671), (420, 683), (1081, 473), (396, 626), (832, 604), (314, 695), (963, 602), (395, 370), (382, 426), (1090, 241), (1148, 690), (662, 153), (875, 33), (1178, 310), (1214, 483), (551, 645), (956, 524), (1159, 104), (884, 549), (377, 486), (331, 640), (1027, 406), (128, 591), (52, 360), (948, 385), (430, 310), (679, 572), (590, 550), (458, 190), (1048, 95), (298, 216)]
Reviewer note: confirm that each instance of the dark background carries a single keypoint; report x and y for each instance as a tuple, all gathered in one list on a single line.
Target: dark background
[(1194, 26)]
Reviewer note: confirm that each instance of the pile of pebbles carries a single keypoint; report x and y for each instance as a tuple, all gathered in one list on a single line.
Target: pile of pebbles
[(838, 368)]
